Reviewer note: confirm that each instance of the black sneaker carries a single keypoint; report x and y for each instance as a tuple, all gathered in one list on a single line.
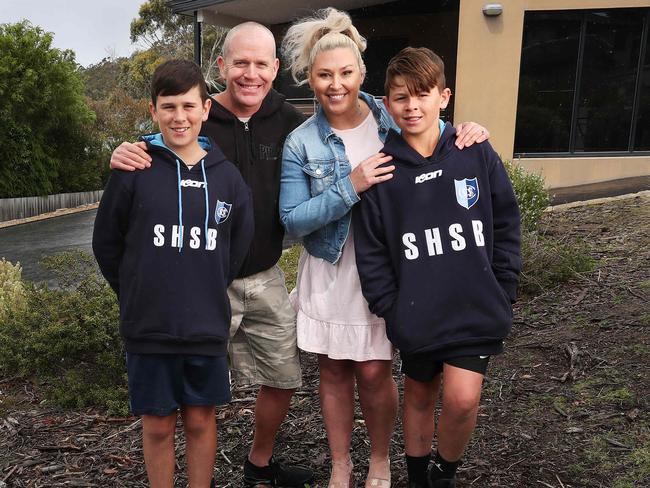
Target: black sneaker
[(436, 478), (277, 474), (443, 483), (414, 484)]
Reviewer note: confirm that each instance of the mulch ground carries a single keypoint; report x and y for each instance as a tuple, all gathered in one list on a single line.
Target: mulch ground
[(565, 406)]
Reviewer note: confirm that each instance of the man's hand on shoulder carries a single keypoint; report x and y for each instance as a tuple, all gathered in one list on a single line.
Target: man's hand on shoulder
[(468, 133), (130, 156)]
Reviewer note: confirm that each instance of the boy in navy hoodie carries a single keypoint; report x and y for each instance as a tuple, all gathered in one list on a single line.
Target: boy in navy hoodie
[(169, 241), (437, 249)]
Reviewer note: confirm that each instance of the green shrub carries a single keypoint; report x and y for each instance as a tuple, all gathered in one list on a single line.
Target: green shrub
[(68, 338), (12, 291), (546, 261), (532, 197), (289, 264), (549, 261)]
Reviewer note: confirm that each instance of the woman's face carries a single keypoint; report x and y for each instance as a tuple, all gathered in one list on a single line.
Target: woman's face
[(336, 78)]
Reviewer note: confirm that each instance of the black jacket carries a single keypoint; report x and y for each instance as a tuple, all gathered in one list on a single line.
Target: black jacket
[(437, 248), (150, 242), (255, 148)]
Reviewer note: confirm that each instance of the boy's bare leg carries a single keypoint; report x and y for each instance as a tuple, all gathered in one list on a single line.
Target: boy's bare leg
[(271, 408), (460, 401), (158, 447), (378, 398), (200, 427), (418, 417), (337, 405)]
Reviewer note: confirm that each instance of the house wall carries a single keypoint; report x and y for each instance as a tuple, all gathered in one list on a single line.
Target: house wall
[(487, 82)]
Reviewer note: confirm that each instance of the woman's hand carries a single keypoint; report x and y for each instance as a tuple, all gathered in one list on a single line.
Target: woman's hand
[(467, 133), (130, 156), (367, 173)]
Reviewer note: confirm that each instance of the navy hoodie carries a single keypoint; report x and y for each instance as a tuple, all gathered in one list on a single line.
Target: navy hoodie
[(437, 248), (169, 241)]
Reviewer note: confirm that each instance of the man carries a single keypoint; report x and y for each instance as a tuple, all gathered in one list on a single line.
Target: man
[(249, 121)]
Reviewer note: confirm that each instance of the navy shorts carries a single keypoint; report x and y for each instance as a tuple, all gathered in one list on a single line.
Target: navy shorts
[(159, 384), (425, 367)]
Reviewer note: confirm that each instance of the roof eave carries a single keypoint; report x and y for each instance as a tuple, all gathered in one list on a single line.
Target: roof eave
[(188, 7)]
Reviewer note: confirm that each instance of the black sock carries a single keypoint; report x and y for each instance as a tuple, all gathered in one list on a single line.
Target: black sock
[(416, 468), (442, 469)]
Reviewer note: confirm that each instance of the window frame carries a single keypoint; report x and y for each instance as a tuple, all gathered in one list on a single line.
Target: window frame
[(572, 153)]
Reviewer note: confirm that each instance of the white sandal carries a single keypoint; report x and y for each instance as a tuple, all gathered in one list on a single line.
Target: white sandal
[(378, 482), (348, 482)]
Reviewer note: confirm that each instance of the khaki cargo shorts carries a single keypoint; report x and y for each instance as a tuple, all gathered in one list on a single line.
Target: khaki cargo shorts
[(263, 348)]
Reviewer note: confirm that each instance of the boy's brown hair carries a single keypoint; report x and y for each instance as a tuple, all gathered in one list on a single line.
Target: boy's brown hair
[(175, 77), (421, 69)]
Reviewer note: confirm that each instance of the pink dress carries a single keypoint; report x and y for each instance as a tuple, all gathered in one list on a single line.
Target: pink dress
[(332, 315)]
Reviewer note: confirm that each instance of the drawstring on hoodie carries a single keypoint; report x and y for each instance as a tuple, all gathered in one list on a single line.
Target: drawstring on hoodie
[(180, 204), (207, 204)]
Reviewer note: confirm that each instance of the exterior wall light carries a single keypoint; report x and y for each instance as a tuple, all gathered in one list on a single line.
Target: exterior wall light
[(492, 9)]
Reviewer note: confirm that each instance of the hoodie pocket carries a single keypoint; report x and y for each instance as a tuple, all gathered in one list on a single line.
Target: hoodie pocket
[(321, 175)]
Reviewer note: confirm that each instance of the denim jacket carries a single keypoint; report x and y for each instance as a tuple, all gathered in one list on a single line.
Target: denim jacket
[(316, 194)]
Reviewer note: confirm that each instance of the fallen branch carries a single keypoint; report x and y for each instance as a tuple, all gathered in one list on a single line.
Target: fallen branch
[(545, 484), (8, 475), (130, 427), (560, 411), (223, 454), (616, 443), (70, 447)]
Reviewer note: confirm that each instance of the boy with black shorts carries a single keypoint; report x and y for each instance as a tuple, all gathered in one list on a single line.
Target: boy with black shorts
[(437, 249), (169, 241)]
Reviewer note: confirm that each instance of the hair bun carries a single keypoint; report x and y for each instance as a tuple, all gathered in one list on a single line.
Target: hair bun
[(328, 28)]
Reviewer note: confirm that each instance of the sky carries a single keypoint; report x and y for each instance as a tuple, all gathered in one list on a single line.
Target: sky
[(93, 29)]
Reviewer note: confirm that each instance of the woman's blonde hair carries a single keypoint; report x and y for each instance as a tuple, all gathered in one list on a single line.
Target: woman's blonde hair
[(327, 29)]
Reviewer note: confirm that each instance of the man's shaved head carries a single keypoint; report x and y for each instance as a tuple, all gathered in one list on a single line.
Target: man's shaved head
[(247, 28)]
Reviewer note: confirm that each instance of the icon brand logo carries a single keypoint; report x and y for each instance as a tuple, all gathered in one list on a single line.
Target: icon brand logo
[(428, 176), (193, 183)]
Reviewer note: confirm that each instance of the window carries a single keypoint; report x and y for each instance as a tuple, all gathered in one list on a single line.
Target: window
[(583, 86), (642, 132)]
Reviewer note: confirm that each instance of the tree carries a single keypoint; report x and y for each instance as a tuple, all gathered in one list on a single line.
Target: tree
[(136, 73), (161, 30), (44, 115), (119, 117), (100, 78), (169, 36)]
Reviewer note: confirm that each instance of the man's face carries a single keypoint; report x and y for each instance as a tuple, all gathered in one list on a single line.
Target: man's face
[(249, 68)]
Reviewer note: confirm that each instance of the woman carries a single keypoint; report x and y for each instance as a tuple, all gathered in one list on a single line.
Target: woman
[(328, 161)]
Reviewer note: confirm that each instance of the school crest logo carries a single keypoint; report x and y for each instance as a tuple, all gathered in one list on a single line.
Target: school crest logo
[(222, 211), (466, 192)]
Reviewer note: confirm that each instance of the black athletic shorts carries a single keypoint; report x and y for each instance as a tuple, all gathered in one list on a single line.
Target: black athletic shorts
[(425, 367), (160, 384)]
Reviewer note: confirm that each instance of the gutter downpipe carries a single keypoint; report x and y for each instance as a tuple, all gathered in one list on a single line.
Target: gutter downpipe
[(197, 39)]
